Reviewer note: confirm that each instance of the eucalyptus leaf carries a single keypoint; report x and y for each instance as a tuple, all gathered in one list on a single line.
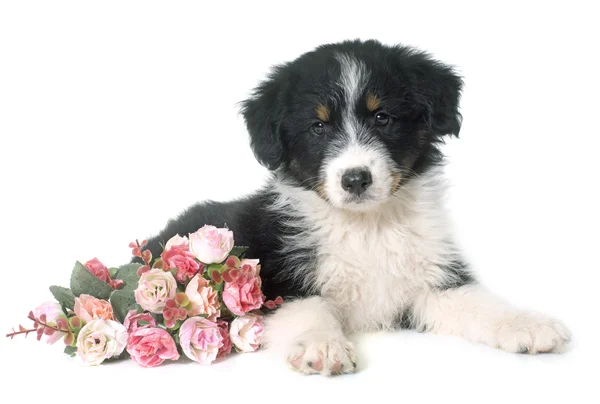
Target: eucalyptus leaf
[(70, 350), (122, 301), (83, 282), (64, 296), (128, 274), (215, 267), (238, 251)]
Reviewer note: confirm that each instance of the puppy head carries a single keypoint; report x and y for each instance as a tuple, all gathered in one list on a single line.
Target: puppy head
[(354, 121)]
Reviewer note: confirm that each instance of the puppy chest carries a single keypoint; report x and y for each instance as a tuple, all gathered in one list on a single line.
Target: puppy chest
[(369, 274)]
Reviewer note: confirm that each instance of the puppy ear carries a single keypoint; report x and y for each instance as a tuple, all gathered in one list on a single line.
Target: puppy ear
[(444, 117), (437, 93), (263, 113)]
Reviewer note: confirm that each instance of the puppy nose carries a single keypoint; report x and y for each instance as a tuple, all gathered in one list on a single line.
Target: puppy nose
[(356, 181)]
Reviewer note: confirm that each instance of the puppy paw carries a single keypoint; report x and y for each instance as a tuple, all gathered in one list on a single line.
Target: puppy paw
[(327, 356), (530, 333)]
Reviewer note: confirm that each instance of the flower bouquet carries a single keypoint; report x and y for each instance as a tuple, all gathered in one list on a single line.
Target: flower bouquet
[(200, 298)]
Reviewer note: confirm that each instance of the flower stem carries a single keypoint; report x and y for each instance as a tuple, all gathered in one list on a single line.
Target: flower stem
[(142, 253), (39, 322), (21, 331)]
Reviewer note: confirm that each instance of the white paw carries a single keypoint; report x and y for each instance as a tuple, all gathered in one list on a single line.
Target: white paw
[(525, 332), (327, 356)]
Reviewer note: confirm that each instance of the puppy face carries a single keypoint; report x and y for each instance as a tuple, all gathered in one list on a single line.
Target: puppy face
[(354, 121)]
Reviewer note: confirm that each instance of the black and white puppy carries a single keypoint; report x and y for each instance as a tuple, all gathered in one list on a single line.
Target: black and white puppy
[(351, 228)]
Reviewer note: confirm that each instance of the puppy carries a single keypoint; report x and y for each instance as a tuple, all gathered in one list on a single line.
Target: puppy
[(350, 229)]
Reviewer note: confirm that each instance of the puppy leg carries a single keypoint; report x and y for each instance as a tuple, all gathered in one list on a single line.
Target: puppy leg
[(309, 333), (474, 313)]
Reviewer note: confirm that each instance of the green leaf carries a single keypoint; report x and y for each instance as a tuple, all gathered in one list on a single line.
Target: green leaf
[(176, 326), (83, 282), (128, 274), (64, 296), (217, 287), (215, 267), (70, 350), (158, 318), (112, 271), (122, 301), (238, 251)]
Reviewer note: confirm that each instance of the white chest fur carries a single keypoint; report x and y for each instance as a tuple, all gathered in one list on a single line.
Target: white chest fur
[(370, 265)]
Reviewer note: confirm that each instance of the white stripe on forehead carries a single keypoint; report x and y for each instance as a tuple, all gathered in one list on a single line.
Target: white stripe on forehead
[(353, 77), (353, 80)]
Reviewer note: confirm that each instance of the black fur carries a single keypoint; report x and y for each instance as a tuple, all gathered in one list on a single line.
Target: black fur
[(252, 224), (420, 95)]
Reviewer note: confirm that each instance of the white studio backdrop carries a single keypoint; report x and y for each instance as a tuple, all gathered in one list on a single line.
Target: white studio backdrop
[(115, 116)]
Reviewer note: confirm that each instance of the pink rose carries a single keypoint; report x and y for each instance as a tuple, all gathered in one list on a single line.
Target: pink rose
[(133, 318), (211, 245), (100, 271), (200, 339), (150, 346), (180, 257), (155, 287), (246, 333), (89, 308), (243, 295), (226, 348), (52, 310), (204, 299)]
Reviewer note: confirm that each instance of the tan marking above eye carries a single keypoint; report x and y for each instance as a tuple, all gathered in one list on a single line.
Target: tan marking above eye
[(373, 102), (323, 112)]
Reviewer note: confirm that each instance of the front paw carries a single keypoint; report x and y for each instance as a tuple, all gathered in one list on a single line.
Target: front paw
[(524, 332), (320, 354)]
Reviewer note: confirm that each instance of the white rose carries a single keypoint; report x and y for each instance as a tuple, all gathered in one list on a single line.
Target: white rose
[(155, 287), (101, 339), (246, 332), (211, 245)]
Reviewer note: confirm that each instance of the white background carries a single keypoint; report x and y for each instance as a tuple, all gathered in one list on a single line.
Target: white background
[(115, 116)]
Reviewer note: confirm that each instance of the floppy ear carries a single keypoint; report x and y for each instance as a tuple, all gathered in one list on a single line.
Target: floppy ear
[(263, 113), (437, 91), (444, 117)]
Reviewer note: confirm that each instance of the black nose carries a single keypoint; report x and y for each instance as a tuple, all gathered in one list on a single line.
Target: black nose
[(356, 181)]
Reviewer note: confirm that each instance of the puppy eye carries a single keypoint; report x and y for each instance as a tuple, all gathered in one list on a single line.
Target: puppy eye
[(318, 128), (382, 119)]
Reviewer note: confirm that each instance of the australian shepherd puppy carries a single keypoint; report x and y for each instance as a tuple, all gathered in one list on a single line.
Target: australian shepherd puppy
[(351, 228)]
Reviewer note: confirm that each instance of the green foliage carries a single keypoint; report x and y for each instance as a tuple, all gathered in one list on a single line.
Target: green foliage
[(64, 296), (70, 350), (215, 267), (238, 251), (173, 272), (122, 301), (83, 282), (128, 274)]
